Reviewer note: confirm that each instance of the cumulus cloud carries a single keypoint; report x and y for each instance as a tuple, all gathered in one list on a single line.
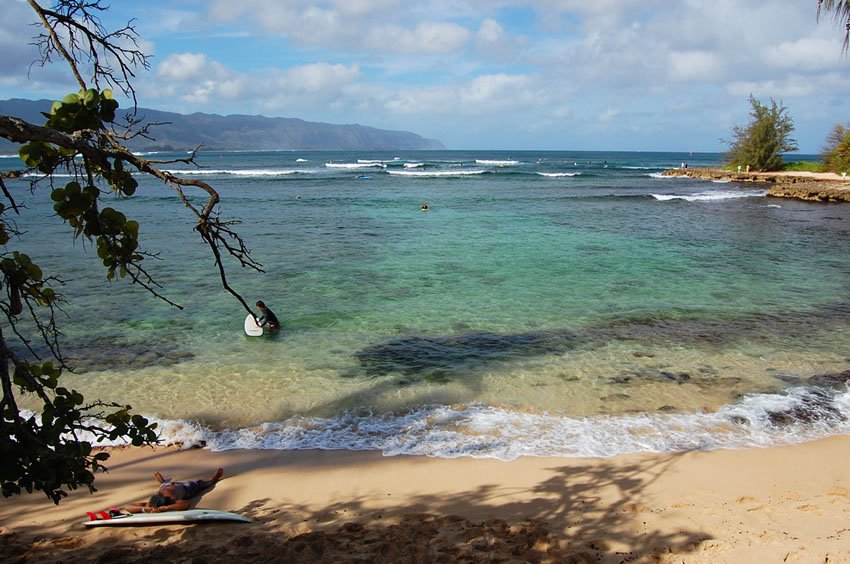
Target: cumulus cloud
[(792, 86), (190, 67), (700, 66), (481, 95), (371, 26), (625, 63), (811, 53), (194, 78), (426, 37)]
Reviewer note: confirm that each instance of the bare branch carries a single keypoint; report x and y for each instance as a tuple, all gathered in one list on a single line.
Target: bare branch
[(89, 42)]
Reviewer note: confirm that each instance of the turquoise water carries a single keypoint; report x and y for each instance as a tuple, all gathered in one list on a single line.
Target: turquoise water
[(546, 303)]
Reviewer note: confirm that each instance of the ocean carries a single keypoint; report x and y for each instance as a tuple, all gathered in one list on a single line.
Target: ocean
[(546, 304)]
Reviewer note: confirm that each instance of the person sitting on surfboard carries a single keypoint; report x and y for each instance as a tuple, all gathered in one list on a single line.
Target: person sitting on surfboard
[(267, 317), (174, 496)]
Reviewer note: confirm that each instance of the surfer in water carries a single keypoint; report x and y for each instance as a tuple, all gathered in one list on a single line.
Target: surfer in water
[(267, 317), (174, 496)]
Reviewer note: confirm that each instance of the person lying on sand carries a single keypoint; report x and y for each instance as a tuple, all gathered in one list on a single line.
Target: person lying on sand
[(174, 496)]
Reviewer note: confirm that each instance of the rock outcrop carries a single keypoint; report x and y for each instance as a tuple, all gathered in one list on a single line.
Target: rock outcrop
[(809, 186)]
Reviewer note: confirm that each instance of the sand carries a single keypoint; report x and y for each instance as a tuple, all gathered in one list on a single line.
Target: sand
[(782, 504)]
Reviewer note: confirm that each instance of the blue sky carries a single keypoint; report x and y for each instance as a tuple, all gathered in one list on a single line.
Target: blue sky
[(480, 74)]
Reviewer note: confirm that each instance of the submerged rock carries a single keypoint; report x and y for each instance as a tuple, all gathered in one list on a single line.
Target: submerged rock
[(814, 406), (831, 380)]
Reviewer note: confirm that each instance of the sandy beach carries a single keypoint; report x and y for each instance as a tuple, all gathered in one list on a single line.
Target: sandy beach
[(782, 504)]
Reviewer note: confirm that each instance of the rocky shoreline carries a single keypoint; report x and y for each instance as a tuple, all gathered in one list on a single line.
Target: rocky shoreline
[(808, 186)]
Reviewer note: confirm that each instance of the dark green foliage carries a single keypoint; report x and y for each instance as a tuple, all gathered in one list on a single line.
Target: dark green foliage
[(760, 144), (804, 166), (836, 154), (53, 451)]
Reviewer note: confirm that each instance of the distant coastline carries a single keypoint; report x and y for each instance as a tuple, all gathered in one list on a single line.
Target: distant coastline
[(809, 186), (180, 132)]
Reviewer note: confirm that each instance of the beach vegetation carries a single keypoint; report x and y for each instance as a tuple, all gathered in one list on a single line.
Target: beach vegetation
[(759, 144), (84, 138), (836, 153), (804, 166)]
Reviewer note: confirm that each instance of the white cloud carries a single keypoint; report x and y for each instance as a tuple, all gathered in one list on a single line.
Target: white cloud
[(426, 37), (793, 86), (194, 78), (503, 65), (371, 26), (695, 66), (809, 53), (316, 78), (490, 32), (488, 94), (190, 67)]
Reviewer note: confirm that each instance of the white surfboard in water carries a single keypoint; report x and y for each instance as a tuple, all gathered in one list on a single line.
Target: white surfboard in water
[(192, 515), (251, 327)]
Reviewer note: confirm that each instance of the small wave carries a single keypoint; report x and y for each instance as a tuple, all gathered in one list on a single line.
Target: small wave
[(496, 162), (241, 172), (370, 164), (758, 420), (301, 160), (54, 175), (709, 196), (413, 165), (435, 173), (558, 174)]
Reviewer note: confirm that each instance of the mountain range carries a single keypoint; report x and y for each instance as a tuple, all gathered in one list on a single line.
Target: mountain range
[(180, 132)]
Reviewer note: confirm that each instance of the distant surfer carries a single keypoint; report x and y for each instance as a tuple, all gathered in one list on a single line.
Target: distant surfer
[(424, 207), (174, 496), (267, 317)]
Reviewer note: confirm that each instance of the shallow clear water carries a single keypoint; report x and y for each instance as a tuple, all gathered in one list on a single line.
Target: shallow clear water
[(575, 292)]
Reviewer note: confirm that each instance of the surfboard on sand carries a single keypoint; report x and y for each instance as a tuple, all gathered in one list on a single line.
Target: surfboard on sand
[(189, 516), (251, 327)]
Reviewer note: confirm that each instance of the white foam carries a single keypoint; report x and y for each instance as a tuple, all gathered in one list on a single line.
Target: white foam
[(301, 160), (241, 172), (356, 165), (710, 196), (432, 173), (558, 174), (496, 162), (489, 432)]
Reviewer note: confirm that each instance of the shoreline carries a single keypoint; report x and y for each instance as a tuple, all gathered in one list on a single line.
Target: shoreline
[(786, 503), (826, 187)]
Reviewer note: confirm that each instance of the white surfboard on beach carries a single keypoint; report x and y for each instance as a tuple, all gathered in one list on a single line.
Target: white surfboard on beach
[(251, 327), (192, 515)]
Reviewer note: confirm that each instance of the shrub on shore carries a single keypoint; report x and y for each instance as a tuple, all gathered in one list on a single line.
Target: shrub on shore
[(836, 154), (759, 145)]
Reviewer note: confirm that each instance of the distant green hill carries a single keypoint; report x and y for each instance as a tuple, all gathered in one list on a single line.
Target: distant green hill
[(181, 132)]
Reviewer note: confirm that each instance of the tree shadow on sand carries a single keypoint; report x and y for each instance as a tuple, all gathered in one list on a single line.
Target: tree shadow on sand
[(568, 517)]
